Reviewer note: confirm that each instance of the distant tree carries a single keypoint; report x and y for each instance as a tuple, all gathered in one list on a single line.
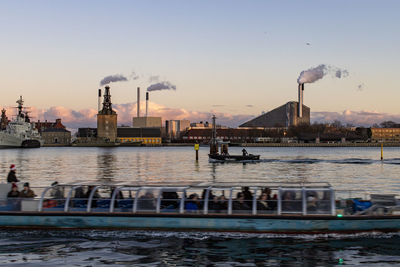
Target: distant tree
[(337, 124), (389, 124), (375, 125)]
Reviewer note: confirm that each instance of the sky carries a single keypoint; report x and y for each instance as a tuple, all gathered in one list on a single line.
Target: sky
[(233, 58)]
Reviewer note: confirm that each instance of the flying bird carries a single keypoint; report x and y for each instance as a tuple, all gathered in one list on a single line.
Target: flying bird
[(308, 44)]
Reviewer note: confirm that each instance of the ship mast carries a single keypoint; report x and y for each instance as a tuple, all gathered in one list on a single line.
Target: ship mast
[(213, 144), (20, 103)]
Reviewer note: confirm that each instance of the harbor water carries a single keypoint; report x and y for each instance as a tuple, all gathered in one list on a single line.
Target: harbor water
[(344, 168)]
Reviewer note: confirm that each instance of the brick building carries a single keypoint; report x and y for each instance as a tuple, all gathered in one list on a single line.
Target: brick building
[(54, 133)]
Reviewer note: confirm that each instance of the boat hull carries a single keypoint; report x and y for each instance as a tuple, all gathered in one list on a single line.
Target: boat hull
[(233, 158), (256, 224)]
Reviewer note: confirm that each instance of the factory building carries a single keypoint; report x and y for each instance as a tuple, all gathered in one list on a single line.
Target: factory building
[(107, 119), (146, 121), (290, 114), (283, 116), (149, 122), (147, 136), (174, 128)]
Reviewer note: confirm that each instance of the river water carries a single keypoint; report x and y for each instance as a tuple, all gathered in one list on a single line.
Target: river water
[(344, 168)]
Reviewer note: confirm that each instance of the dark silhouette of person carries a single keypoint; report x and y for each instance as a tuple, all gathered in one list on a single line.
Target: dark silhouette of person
[(12, 177)]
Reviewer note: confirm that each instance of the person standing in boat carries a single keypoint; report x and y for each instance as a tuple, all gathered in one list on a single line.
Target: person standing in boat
[(12, 177), (244, 151)]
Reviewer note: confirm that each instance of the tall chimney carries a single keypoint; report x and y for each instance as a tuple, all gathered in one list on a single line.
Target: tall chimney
[(138, 102), (99, 101), (147, 103), (300, 105)]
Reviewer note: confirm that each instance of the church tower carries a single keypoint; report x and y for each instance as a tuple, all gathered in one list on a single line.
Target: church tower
[(107, 119)]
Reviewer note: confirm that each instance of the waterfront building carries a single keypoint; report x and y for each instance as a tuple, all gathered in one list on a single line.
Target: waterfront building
[(233, 135), (174, 128), (53, 133), (147, 136), (56, 137), (107, 119), (385, 135)]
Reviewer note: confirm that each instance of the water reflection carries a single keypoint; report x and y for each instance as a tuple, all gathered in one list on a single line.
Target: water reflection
[(106, 165), (344, 168)]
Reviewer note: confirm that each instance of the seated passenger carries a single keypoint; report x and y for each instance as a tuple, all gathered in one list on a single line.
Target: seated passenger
[(312, 198), (239, 203), (262, 203), (288, 201), (214, 204), (272, 201), (223, 202), (119, 194), (79, 200), (79, 193), (170, 200), (96, 195), (193, 203), (57, 192), (247, 194), (147, 201), (26, 192), (14, 191)]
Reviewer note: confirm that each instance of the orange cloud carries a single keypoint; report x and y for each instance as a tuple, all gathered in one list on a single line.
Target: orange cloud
[(74, 119)]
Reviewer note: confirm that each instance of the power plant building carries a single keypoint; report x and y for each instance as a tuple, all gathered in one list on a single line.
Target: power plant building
[(283, 116), (290, 114), (148, 122)]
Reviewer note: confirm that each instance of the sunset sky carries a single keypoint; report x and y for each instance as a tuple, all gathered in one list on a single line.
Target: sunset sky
[(233, 58)]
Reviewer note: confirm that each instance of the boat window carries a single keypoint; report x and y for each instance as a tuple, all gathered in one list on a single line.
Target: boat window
[(147, 200), (194, 201), (242, 200), (171, 200), (54, 197), (218, 201), (291, 200), (318, 201), (267, 201)]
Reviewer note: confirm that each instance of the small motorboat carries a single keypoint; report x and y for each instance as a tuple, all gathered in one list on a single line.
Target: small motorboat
[(219, 150), (227, 157)]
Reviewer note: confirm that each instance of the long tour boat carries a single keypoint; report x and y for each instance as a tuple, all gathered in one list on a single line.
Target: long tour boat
[(289, 208)]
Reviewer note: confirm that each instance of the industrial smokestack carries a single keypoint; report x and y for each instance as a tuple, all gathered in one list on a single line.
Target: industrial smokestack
[(147, 102), (99, 101), (300, 105), (138, 102)]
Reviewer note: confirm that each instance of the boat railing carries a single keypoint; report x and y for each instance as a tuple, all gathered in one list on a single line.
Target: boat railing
[(219, 199)]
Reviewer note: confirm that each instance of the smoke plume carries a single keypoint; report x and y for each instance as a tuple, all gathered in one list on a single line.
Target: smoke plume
[(134, 76), (154, 79), (317, 73), (161, 86), (113, 79)]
